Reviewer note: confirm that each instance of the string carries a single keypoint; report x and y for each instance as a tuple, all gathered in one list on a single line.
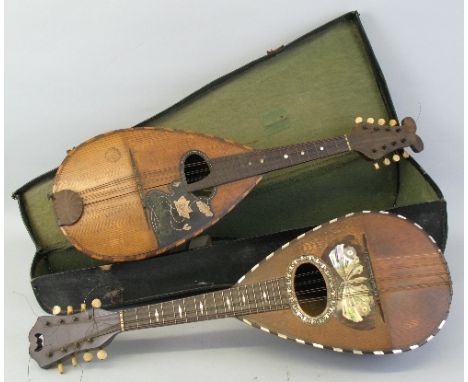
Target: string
[(301, 275), (290, 147), (221, 159), (147, 174), (248, 309), (220, 173), (143, 324), (309, 273), (278, 299), (207, 307)]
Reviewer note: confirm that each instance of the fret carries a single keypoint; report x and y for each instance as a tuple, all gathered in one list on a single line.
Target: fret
[(316, 151), (179, 311), (279, 292), (156, 313), (149, 314), (267, 295), (296, 153), (255, 298), (241, 304), (195, 307), (184, 309), (173, 311), (232, 304), (240, 300), (245, 297), (262, 296), (272, 295), (249, 301), (224, 302), (162, 313), (239, 295), (307, 152), (214, 305)]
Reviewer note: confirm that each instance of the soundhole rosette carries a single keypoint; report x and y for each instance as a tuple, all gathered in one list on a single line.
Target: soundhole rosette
[(331, 291)]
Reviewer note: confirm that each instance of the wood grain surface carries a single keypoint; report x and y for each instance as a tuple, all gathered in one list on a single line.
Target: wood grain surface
[(113, 225), (410, 272)]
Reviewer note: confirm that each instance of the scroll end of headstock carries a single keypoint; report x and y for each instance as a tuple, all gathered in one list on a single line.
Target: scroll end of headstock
[(409, 123), (417, 144)]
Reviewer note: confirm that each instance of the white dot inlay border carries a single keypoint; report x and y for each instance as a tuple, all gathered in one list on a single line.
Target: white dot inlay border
[(336, 349)]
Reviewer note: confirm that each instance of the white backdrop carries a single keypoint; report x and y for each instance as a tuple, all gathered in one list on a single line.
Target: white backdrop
[(74, 69)]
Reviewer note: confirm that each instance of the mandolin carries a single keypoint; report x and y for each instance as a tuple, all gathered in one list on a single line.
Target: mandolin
[(367, 283), (134, 193)]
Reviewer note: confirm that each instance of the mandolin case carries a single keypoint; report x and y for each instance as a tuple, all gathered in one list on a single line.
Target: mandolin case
[(309, 89)]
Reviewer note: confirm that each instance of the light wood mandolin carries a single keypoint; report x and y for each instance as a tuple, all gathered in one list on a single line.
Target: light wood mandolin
[(135, 193), (365, 283)]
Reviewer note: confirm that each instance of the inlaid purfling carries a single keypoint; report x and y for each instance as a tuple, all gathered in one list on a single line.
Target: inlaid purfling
[(167, 186), (318, 290)]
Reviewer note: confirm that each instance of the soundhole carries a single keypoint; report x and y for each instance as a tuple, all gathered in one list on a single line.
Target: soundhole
[(195, 169), (310, 289)]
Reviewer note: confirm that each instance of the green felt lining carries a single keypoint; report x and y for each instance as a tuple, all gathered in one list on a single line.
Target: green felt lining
[(310, 90)]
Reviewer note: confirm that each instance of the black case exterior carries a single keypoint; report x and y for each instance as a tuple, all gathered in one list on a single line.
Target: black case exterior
[(190, 272), (209, 268)]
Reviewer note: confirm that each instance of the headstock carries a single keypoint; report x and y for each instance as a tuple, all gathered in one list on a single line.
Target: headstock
[(54, 339), (378, 140)]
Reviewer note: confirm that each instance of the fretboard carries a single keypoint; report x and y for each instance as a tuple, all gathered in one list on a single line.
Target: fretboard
[(236, 301), (235, 167)]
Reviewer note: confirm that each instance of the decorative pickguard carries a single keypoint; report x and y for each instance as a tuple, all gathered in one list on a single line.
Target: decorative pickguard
[(355, 297), (175, 215)]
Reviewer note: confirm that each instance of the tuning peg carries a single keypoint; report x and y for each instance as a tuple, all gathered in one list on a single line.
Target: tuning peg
[(381, 121), (69, 309), (96, 303), (386, 161), (83, 307), (87, 356), (74, 361), (370, 120), (358, 120), (392, 122), (396, 158), (405, 154), (376, 166), (101, 354), (60, 368), (56, 310)]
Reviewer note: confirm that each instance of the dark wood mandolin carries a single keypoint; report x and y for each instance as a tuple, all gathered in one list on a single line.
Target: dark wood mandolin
[(365, 283), (135, 193)]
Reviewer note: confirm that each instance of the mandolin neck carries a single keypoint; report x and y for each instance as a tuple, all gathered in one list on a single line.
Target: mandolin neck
[(237, 301), (235, 167)]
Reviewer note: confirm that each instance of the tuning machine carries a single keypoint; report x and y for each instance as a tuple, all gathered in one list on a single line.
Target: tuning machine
[(88, 356), (96, 303), (74, 361), (101, 354)]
